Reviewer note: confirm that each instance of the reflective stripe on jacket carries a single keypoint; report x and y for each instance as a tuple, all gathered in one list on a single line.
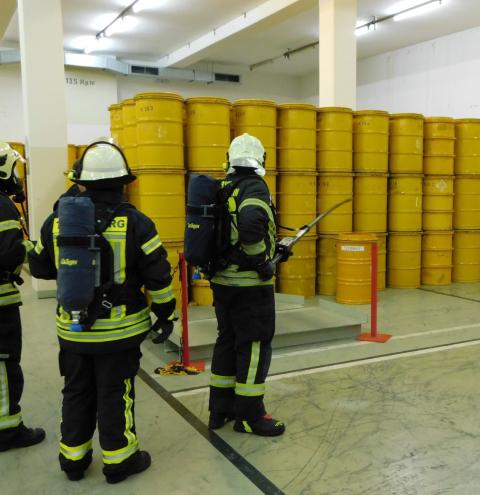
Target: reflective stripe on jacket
[(253, 231)]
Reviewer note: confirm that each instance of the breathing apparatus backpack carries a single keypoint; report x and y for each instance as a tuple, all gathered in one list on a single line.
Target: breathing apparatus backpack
[(81, 249), (207, 233)]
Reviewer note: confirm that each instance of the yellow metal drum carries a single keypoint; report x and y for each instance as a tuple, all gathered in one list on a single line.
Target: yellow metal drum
[(438, 193), (438, 203), (467, 147), (116, 122), (159, 130), (298, 275), (438, 165), (258, 118), (437, 248), (439, 147), (370, 141), (208, 132), (326, 265), (200, 291), (466, 256), (296, 138), (467, 202), (131, 155), (406, 143), (334, 139), (296, 198), (439, 127), (370, 203), (334, 188), (161, 196), (354, 268), (404, 260), (405, 203)]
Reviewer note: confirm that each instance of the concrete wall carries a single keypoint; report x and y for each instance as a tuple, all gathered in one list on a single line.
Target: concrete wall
[(88, 93), (437, 77)]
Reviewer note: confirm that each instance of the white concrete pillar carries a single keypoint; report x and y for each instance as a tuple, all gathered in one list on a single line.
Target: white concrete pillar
[(44, 102), (337, 53)]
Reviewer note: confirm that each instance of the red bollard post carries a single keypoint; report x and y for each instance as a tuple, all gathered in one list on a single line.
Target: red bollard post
[(373, 336), (198, 365), (184, 294)]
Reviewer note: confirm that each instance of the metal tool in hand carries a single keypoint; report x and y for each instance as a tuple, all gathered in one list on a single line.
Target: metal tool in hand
[(289, 242)]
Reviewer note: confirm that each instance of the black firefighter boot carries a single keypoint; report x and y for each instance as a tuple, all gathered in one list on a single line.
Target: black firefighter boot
[(138, 462), (25, 437), (266, 426), (217, 420)]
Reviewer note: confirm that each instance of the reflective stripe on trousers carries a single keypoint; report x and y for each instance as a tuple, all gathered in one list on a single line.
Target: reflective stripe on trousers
[(75, 453), (120, 455), (6, 420)]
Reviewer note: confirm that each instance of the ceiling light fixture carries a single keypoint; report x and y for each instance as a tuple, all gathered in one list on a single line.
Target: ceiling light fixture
[(419, 10), (140, 5), (413, 9), (123, 22)]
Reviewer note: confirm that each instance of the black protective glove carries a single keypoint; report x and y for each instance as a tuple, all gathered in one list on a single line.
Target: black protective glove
[(164, 329), (284, 251), (265, 270)]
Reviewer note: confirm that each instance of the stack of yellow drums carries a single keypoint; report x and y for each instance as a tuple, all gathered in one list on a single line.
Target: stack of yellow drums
[(297, 193), (207, 141), (438, 194), (405, 200), (466, 219), (370, 165), (153, 138), (334, 184)]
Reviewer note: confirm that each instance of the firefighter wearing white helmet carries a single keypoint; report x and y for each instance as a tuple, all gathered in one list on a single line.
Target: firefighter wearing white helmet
[(100, 350), (244, 298), (13, 249)]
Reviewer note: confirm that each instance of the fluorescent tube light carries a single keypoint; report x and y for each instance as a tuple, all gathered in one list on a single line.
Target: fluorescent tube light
[(420, 10)]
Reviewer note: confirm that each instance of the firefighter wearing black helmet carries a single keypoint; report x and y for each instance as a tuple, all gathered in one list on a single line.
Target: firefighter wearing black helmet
[(100, 362), (13, 249)]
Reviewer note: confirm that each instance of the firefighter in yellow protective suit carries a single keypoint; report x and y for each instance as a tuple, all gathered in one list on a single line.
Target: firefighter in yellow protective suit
[(13, 249), (99, 363)]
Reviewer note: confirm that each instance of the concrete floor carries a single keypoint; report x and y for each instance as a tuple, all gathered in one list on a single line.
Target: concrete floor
[(394, 419)]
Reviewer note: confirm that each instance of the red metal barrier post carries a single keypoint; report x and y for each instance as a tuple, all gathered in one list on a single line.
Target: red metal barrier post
[(373, 336), (184, 294)]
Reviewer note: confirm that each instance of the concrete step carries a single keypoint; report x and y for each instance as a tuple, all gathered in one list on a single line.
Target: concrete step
[(298, 323)]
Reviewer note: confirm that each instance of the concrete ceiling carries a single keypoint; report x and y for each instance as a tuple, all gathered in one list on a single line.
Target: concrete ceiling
[(176, 22)]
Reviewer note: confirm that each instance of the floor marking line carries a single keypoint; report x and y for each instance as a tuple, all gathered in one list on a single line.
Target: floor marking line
[(449, 295), (349, 364), (358, 344), (236, 459)]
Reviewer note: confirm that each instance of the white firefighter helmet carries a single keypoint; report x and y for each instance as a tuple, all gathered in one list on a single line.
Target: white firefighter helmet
[(102, 163), (8, 158), (247, 151)]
